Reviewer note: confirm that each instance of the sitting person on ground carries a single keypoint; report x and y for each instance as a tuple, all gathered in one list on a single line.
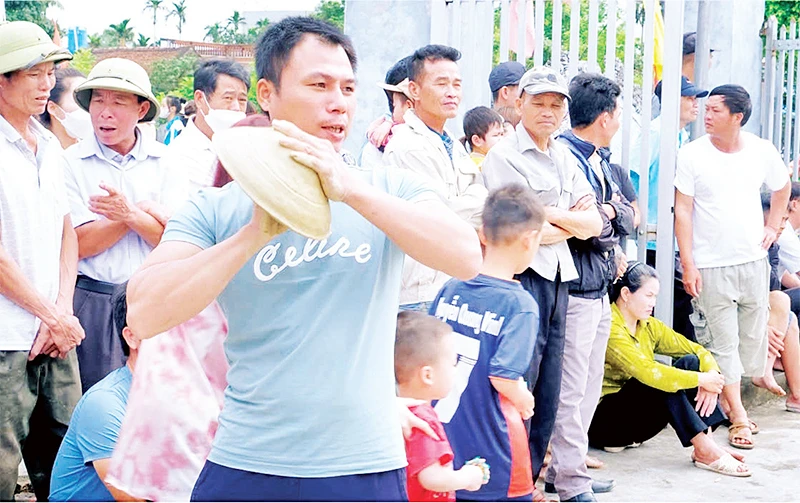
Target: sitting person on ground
[(483, 128), (424, 353), (85, 454), (495, 323), (782, 329), (684, 395)]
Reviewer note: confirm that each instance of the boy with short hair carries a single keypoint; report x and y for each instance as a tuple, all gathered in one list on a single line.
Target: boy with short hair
[(424, 366), (495, 322)]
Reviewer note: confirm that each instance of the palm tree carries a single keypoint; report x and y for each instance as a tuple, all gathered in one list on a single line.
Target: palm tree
[(122, 32), (143, 41), (213, 33), (155, 6), (179, 11), (235, 21), (95, 41), (262, 25)]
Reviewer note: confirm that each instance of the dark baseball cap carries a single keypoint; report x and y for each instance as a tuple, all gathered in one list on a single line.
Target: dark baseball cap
[(690, 43), (506, 74), (687, 89)]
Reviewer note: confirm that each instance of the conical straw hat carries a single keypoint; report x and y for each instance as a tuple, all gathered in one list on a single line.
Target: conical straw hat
[(290, 192)]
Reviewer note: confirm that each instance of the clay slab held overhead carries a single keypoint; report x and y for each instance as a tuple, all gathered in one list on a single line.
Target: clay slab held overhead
[(290, 192)]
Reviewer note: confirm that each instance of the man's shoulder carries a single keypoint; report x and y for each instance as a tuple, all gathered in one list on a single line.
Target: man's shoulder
[(404, 139), (106, 399)]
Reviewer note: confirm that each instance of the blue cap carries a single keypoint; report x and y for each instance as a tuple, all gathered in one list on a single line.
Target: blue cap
[(687, 89), (506, 74)]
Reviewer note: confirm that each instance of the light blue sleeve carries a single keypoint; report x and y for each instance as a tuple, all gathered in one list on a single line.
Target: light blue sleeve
[(515, 347), (408, 185), (194, 222), (97, 426)]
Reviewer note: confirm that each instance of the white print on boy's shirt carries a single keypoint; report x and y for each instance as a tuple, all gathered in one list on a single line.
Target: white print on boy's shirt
[(486, 322), (468, 350), (312, 250)]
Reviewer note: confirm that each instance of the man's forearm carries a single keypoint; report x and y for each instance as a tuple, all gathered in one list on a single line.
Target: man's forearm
[(98, 236), (779, 200), (684, 207), (552, 234), (68, 266), (16, 287), (581, 224), (147, 226), (426, 231)]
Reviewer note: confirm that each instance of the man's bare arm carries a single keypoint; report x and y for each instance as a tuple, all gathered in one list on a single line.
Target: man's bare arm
[(582, 224)]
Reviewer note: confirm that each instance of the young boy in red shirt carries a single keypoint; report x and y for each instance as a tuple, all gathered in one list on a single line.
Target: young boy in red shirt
[(425, 359)]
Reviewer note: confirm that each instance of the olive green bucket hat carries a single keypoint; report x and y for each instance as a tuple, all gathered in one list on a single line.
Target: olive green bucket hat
[(118, 74), (290, 192), (24, 45)]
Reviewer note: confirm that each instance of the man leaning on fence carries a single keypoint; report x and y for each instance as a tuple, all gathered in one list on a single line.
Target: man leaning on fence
[(39, 384)]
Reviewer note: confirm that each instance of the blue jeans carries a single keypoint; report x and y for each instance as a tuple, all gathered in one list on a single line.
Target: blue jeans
[(220, 483)]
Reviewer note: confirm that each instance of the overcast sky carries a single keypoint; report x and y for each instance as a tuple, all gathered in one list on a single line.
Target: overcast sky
[(97, 15)]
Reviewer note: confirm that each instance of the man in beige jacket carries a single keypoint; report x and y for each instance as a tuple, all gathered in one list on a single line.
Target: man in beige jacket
[(424, 146)]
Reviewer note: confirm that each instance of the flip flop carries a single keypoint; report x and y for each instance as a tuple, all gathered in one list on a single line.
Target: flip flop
[(734, 432), (725, 465), (754, 429), (594, 463), (793, 408)]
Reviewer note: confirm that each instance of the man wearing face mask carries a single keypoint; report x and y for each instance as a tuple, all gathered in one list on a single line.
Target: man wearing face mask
[(220, 92), (120, 195)]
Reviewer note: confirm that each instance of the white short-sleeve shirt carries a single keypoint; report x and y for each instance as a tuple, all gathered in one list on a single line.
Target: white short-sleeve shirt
[(33, 205), (789, 252), (728, 223), (192, 154), (140, 175)]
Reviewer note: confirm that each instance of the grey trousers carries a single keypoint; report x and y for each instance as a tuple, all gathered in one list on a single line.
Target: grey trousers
[(36, 403), (101, 351), (588, 328)]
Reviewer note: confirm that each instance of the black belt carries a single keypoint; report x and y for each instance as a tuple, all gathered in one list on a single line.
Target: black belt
[(92, 285)]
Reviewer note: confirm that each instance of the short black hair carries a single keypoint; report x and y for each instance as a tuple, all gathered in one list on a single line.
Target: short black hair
[(175, 101), (736, 98), (276, 43), (417, 343), (396, 74), (592, 95), (119, 313), (205, 76), (478, 121), (795, 191), (510, 211), (432, 52), (63, 75)]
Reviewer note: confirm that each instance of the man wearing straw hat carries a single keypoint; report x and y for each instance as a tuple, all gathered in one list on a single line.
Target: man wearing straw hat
[(113, 179), (38, 254), (309, 411)]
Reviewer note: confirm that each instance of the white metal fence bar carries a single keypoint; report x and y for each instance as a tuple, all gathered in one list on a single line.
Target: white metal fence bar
[(627, 87), (505, 28), (440, 22), (770, 60), (591, 57), (796, 148), (611, 39), (644, 145), (555, 51), (776, 135), (538, 55), (522, 9), (790, 91), (574, 37)]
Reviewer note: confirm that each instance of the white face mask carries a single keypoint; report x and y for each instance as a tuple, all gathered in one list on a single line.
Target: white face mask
[(164, 113), (77, 123), (220, 120)]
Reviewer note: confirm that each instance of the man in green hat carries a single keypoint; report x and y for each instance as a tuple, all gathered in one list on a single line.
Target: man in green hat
[(118, 191), (38, 255)]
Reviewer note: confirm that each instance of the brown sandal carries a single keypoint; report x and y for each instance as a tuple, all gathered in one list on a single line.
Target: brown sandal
[(735, 433)]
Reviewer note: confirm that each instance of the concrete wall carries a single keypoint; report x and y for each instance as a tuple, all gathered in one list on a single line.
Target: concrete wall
[(383, 32), (737, 47)]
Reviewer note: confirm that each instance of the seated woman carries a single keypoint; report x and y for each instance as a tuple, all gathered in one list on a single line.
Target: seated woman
[(641, 395)]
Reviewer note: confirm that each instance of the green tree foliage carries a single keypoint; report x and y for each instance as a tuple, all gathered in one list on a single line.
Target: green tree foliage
[(121, 32), (142, 41), (784, 10), (83, 60), (331, 11), (233, 33), (178, 11), (166, 75), (31, 10), (155, 6)]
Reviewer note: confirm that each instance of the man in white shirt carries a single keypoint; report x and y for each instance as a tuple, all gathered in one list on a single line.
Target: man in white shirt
[(120, 196), (723, 242), (38, 256), (220, 92), (424, 146)]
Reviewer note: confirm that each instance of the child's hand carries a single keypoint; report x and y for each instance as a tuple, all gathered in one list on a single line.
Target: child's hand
[(472, 476), (525, 405), (378, 132)]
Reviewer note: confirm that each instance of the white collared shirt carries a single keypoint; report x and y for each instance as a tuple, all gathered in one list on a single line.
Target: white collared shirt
[(192, 153), (33, 205), (555, 177), (139, 175)]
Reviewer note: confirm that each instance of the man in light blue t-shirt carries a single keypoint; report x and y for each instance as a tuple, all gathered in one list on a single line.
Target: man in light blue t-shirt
[(310, 411), (85, 454)]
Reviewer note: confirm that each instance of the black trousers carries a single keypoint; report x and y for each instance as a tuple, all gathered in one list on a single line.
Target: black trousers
[(638, 412), (682, 301), (794, 297), (544, 376), (101, 351)]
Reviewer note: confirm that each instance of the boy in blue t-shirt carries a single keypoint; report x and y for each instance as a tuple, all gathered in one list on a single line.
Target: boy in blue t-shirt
[(495, 323)]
